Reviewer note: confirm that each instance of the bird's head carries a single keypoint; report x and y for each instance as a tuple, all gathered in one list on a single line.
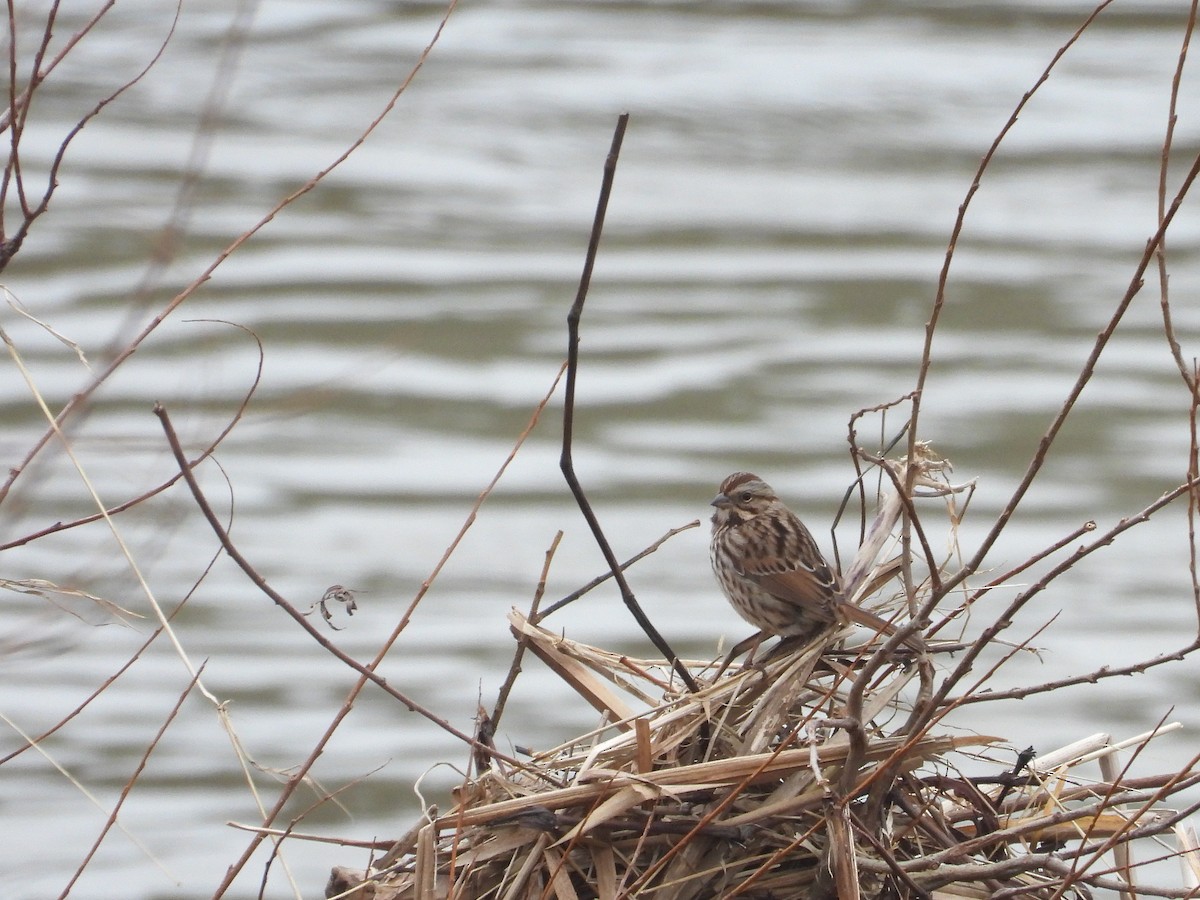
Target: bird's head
[(741, 497)]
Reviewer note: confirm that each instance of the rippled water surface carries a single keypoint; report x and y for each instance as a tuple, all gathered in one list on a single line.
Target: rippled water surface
[(783, 202)]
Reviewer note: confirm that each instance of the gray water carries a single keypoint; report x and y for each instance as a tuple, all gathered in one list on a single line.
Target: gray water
[(782, 207)]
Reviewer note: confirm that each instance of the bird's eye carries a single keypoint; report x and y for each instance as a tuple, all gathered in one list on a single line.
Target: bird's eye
[(747, 496)]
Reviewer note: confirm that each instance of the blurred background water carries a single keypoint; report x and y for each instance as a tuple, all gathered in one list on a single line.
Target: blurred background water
[(782, 207)]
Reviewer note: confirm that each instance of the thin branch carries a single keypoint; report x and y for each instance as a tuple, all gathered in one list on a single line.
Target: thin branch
[(1194, 495), (523, 641), (170, 236), (278, 836), (1185, 371), (939, 300), (856, 458), (80, 707), (261, 583), (566, 462), (910, 511), (1081, 865), (19, 102), (1093, 677), (137, 772), (9, 246), (600, 579), (1007, 577)]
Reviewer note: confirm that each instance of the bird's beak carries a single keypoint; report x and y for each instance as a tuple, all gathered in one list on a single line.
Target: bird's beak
[(719, 500)]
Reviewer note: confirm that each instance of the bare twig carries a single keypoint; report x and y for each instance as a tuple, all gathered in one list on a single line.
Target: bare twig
[(522, 642), (1185, 371), (600, 579), (278, 836), (939, 300), (297, 616), (137, 772), (856, 458), (1012, 573), (170, 236), (566, 462), (1082, 865), (10, 245), (1194, 494), (18, 102), (1081, 382)]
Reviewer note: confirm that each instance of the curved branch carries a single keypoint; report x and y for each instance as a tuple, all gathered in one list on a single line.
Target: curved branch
[(261, 583), (939, 301), (566, 462)]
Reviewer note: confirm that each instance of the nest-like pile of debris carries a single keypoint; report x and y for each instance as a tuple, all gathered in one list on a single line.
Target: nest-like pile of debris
[(825, 770)]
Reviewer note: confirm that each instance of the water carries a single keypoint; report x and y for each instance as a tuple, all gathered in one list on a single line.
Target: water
[(781, 211)]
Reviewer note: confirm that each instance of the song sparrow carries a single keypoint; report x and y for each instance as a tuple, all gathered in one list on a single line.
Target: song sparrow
[(769, 566)]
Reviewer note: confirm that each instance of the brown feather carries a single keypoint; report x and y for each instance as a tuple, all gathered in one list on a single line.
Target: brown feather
[(801, 588), (771, 568)]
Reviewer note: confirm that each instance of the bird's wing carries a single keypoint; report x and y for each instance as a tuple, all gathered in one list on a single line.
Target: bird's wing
[(821, 598), (814, 589), (803, 589)]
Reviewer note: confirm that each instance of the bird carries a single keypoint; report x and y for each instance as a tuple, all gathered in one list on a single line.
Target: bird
[(771, 569)]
